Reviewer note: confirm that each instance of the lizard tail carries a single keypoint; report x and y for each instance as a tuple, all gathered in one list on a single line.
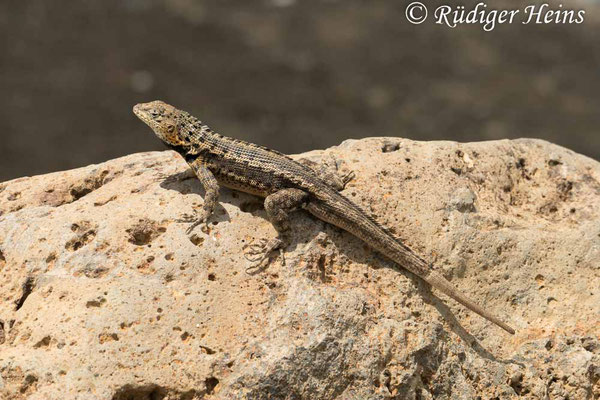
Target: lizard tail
[(350, 218), (436, 280)]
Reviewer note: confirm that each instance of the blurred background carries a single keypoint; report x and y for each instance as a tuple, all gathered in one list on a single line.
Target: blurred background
[(291, 75)]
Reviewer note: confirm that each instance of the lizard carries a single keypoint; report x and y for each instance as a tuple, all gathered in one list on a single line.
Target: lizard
[(286, 186)]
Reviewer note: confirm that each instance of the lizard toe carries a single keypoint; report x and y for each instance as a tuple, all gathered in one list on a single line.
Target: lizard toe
[(260, 252)]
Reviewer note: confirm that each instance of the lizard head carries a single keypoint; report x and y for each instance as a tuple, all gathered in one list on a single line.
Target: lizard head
[(164, 121)]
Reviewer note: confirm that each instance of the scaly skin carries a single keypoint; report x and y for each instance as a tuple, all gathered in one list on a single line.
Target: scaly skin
[(286, 185)]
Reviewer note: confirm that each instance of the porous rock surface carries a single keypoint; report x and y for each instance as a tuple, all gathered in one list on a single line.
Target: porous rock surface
[(104, 296)]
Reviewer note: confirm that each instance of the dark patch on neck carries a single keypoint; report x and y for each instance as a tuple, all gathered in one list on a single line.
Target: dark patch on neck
[(184, 151), (178, 148)]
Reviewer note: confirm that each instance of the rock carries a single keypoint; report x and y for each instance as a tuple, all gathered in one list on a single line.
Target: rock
[(104, 296), (463, 200)]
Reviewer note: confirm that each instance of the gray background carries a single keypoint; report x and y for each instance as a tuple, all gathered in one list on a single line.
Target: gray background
[(290, 75)]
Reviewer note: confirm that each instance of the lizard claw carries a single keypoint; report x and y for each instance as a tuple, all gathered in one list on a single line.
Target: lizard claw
[(174, 177), (259, 252), (195, 220), (344, 178), (195, 224), (348, 177), (161, 176)]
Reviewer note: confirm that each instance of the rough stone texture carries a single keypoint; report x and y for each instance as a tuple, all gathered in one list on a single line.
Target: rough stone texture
[(104, 296)]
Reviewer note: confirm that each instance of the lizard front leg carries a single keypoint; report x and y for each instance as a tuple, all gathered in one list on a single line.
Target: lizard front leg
[(278, 206), (211, 196)]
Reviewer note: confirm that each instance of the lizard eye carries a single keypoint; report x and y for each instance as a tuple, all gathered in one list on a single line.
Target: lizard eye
[(154, 113)]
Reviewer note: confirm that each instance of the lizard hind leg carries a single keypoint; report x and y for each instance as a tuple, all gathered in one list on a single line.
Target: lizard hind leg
[(328, 172), (278, 206)]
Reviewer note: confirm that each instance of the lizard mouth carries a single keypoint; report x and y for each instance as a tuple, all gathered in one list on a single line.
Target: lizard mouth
[(141, 112), (137, 110)]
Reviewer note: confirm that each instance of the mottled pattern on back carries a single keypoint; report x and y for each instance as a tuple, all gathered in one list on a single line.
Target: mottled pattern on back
[(243, 165)]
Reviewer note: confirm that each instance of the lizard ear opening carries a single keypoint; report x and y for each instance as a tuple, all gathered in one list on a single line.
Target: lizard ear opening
[(170, 128)]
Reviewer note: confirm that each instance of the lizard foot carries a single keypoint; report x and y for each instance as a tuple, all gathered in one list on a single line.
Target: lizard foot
[(341, 180), (348, 177), (329, 172), (194, 219), (259, 252), (163, 177), (171, 177)]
